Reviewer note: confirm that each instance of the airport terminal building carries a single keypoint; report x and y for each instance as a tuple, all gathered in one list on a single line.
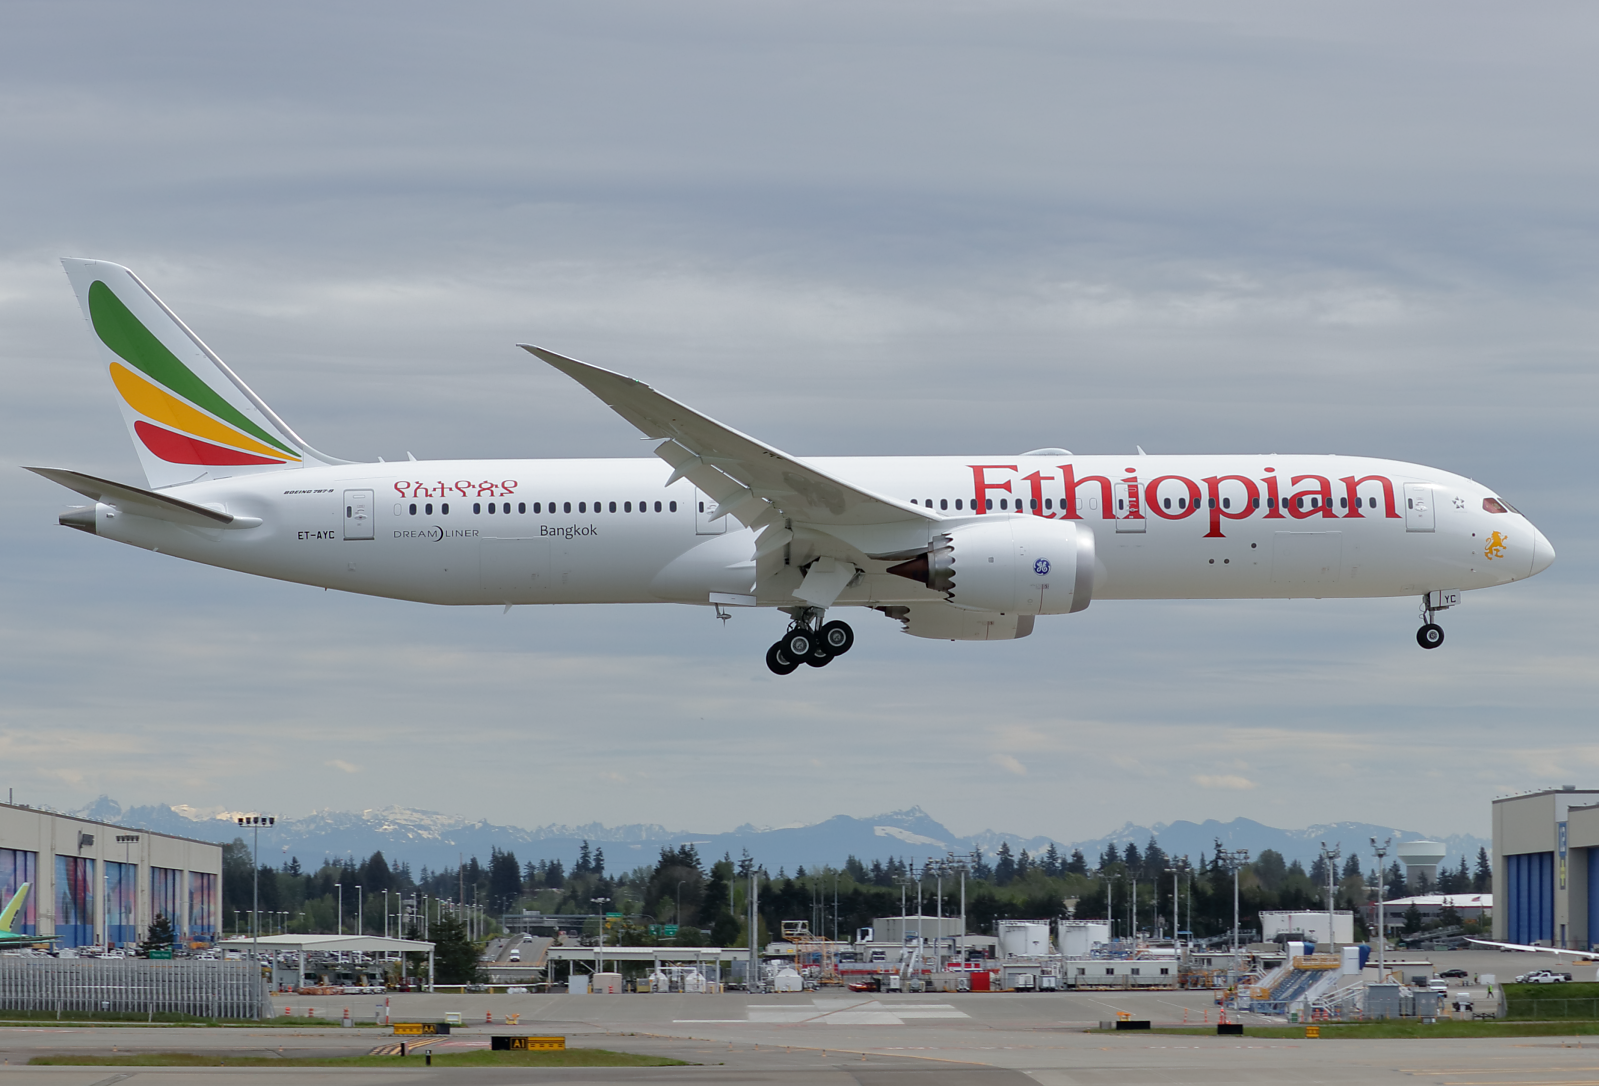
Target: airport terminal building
[(98, 884), (1546, 868)]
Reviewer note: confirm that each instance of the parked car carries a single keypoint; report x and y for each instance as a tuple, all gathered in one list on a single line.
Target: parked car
[(1543, 976), (1455, 974), (869, 984)]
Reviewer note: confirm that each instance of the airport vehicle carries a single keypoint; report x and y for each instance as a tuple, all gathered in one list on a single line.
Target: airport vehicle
[(959, 548), (8, 918), (1454, 974), (1543, 976)]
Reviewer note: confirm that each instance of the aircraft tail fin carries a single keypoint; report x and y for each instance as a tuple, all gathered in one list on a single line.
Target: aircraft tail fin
[(14, 906), (189, 415)]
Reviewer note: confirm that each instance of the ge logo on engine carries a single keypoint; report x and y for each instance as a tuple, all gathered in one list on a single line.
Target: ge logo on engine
[(1041, 566)]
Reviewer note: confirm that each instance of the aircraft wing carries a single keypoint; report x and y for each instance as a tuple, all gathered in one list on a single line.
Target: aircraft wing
[(750, 480), (146, 503), (1580, 955)]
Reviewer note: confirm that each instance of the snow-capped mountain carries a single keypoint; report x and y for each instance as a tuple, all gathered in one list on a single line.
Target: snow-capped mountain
[(434, 840)]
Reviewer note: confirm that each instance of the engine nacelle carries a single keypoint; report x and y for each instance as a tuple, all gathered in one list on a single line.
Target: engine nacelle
[(1013, 565)]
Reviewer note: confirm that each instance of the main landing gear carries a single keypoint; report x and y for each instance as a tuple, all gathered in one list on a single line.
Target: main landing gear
[(1431, 635), (809, 641)]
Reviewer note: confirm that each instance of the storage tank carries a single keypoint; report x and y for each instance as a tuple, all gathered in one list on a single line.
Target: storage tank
[(1078, 937), (1023, 938), (1421, 860)]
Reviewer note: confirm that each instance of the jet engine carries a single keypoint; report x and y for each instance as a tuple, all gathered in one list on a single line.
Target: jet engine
[(1014, 565)]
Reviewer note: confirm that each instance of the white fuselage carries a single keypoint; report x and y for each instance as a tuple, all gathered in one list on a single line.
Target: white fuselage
[(588, 531)]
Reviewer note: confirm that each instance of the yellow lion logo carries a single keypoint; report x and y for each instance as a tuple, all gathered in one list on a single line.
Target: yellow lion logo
[(1496, 546)]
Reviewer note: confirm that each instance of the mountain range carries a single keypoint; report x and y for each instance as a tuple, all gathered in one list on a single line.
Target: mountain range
[(433, 840)]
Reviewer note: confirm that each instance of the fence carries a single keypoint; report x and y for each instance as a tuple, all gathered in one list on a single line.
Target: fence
[(134, 986), (1539, 1009)]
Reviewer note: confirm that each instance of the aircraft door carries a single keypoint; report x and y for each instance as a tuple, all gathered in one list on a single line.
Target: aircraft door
[(1418, 508), (703, 508), (357, 514), (1129, 516)]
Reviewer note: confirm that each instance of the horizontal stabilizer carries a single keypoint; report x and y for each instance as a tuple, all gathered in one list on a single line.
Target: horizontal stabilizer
[(144, 503)]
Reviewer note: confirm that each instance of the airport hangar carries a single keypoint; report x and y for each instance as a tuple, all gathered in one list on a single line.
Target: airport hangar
[(99, 884), (1546, 867)]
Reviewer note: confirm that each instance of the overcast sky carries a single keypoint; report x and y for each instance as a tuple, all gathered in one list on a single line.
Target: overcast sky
[(848, 229)]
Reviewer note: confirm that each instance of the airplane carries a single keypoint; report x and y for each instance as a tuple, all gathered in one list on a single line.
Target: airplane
[(959, 548), (8, 917)]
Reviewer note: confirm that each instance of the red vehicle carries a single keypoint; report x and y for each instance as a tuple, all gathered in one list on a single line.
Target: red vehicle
[(869, 984)]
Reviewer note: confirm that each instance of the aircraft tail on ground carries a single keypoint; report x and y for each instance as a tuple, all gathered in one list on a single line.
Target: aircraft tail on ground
[(189, 415), (14, 906)]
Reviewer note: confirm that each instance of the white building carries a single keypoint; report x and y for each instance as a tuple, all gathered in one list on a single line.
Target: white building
[(1314, 924), (96, 884)]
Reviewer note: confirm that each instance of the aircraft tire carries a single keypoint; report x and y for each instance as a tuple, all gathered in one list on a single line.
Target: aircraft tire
[(1430, 636), (798, 643), (819, 656), (779, 661), (838, 638)]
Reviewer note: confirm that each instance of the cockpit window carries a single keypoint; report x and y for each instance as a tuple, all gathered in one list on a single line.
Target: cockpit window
[(1494, 505)]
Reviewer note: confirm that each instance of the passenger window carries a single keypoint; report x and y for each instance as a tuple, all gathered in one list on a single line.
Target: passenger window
[(613, 507), (672, 506), (477, 507), (582, 507), (1371, 503), (445, 508), (1254, 502), (492, 510), (988, 505), (566, 507), (521, 507), (1226, 503), (627, 507), (429, 508), (702, 509), (1493, 505), (413, 509), (658, 506), (1049, 503), (1343, 503), (1165, 503), (1182, 503), (1032, 503), (929, 503), (957, 503), (1299, 503), (1002, 504)]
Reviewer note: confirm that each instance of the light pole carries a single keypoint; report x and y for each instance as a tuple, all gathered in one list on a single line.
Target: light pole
[(677, 915), (1382, 933), (1329, 859), (1234, 858), (599, 958), (255, 822), (340, 885), (360, 925)]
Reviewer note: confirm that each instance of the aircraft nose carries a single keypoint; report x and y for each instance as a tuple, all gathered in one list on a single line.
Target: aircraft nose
[(1543, 555)]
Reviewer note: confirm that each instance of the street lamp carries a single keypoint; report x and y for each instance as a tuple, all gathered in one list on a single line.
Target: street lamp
[(255, 822), (360, 925), (340, 885), (1382, 933)]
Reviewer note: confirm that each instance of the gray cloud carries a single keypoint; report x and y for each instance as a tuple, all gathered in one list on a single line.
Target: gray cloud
[(897, 228)]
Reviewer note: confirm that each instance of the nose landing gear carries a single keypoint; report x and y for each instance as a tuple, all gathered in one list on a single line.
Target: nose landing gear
[(1431, 635), (809, 641)]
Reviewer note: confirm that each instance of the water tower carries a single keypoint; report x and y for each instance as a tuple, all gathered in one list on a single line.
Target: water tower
[(1421, 860)]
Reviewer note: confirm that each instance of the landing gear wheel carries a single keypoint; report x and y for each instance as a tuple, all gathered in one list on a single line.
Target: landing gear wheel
[(798, 643), (1430, 636), (779, 661), (819, 656), (838, 638)]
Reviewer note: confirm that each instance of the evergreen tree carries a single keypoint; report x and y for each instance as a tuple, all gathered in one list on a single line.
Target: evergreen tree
[(505, 880), (746, 865), (980, 867), (599, 861), (856, 869), (1024, 864), (585, 860), (159, 937), (555, 875), (1078, 864), (1155, 860), (1004, 865), (1109, 858), (1130, 857), (454, 955), (1352, 868), (1318, 871), (1052, 861), (799, 872), (1482, 882), (880, 877), (1394, 883)]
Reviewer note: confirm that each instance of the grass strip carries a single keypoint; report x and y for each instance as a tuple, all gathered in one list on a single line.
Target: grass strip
[(571, 1057)]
